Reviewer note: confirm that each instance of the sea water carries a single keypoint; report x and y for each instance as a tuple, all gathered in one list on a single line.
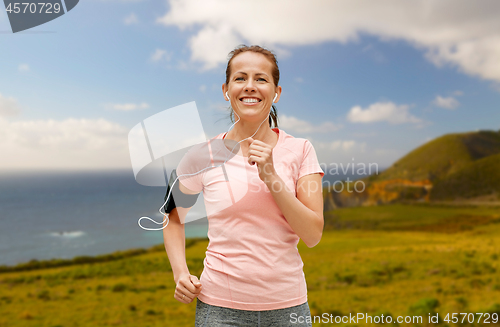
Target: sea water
[(45, 215)]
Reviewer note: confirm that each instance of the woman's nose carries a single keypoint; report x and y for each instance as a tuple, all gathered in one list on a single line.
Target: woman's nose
[(249, 86)]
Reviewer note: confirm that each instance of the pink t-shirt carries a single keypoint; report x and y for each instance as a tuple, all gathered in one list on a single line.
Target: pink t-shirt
[(252, 261)]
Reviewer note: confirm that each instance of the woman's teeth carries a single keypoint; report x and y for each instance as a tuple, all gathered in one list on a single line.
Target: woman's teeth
[(249, 100)]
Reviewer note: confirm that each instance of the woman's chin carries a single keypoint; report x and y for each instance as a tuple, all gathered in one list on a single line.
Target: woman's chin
[(251, 115)]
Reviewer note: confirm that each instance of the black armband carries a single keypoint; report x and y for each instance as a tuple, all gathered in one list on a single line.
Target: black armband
[(182, 200)]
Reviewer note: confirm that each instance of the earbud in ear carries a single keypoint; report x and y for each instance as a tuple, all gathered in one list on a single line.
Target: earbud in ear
[(275, 97), (227, 96)]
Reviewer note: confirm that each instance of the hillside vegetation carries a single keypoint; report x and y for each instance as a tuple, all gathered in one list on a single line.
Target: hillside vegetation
[(453, 167), (480, 177), (443, 156)]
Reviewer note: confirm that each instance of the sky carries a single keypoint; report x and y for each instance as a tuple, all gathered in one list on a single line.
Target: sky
[(364, 81)]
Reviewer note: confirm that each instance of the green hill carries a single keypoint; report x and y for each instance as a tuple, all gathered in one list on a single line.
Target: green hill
[(451, 167), (481, 177), (443, 156)]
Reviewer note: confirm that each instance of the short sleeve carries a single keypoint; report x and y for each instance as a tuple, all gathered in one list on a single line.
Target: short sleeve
[(189, 172), (310, 164)]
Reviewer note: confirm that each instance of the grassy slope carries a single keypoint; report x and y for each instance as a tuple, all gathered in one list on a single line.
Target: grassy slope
[(444, 155), (392, 259), (476, 178)]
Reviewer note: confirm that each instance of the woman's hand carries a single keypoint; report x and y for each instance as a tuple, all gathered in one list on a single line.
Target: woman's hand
[(261, 154), (187, 289)]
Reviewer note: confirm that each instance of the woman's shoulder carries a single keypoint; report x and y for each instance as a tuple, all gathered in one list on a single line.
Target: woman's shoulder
[(290, 142)]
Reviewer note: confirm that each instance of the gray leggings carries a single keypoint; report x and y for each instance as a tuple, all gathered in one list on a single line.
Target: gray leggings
[(213, 316)]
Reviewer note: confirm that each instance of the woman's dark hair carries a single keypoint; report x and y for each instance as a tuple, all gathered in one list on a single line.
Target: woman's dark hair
[(275, 74)]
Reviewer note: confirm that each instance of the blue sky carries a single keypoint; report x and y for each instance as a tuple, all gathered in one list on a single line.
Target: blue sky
[(363, 81)]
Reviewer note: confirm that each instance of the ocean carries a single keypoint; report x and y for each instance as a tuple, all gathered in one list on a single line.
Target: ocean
[(67, 214)]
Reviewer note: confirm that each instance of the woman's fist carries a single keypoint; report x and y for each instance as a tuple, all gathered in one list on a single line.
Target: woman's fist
[(262, 154), (187, 289)]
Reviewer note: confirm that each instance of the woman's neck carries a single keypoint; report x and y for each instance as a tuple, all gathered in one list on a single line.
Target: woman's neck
[(264, 134)]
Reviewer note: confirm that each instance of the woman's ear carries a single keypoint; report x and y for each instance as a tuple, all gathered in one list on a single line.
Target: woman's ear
[(278, 94), (224, 91)]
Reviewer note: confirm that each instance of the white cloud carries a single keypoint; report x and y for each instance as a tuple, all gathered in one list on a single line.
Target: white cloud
[(64, 144), (338, 150), (130, 19), (24, 68), (204, 48), (8, 107), (350, 151), (203, 88), (160, 55), (382, 111), (344, 145), (128, 106), (460, 33), (475, 57), (446, 103), (296, 125), (298, 80)]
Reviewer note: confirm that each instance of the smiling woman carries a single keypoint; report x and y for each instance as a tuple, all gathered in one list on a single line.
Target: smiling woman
[(275, 74), (253, 274)]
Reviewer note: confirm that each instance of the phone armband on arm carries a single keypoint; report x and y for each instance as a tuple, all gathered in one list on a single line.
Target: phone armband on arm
[(182, 200)]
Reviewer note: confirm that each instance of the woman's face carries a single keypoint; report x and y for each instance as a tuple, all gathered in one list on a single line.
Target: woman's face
[(251, 87)]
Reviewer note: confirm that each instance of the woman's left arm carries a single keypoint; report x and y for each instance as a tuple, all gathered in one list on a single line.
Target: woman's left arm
[(303, 212)]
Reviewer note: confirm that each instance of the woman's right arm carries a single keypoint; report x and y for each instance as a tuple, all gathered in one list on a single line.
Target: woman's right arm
[(187, 286), (175, 244)]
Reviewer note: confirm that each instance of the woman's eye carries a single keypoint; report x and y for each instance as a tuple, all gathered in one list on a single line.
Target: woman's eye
[(238, 79), (261, 80)]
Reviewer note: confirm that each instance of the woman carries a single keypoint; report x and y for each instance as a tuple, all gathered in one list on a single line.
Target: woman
[(253, 272)]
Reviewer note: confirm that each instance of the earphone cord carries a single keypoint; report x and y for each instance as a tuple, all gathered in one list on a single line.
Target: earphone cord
[(165, 218)]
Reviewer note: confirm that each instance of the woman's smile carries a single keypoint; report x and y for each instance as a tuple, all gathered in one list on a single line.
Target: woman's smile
[(250, 101)]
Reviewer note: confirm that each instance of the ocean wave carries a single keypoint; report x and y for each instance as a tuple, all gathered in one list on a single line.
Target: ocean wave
[(68, 234)]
